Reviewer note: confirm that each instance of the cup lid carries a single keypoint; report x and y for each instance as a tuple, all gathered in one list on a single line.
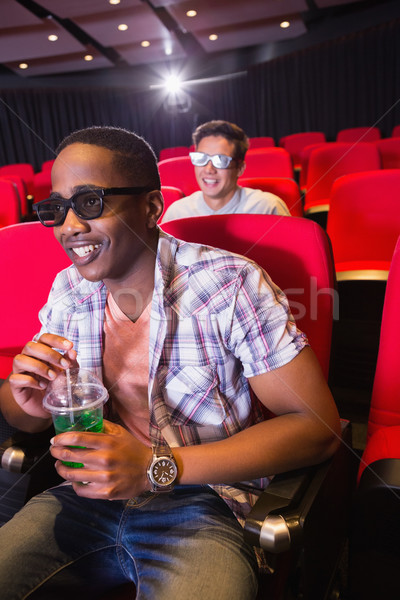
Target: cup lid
[(73, 391)]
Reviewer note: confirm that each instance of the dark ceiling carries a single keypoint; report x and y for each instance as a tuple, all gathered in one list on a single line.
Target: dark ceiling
[(90, 39)]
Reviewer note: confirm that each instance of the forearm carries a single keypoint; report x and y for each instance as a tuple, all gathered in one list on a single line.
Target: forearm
[(14, 414), (280, 444)]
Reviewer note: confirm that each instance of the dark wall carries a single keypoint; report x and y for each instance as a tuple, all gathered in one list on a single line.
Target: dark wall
[(349, 81)]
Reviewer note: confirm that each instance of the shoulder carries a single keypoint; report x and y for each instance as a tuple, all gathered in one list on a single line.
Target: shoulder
[(70, 284), (258, 201), (183, 207)]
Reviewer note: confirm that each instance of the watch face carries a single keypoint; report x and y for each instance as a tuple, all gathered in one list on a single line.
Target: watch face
[(164, 471)]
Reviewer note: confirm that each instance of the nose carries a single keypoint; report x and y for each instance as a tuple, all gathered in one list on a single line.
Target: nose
[(73, 224), (209, 166)]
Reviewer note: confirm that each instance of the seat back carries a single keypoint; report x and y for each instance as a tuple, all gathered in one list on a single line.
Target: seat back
[(375, 525), (396, 131), (9, 204), (173, 151), (358, 134), (296, 254), (385, 402), (22, 192), (330, 161), (24, 170), (42, 185), (261, 142), (295, 142), (170, 195), (283, 187), (304, 160), (178, 172), (31, 257), (268, 162), (47, 165), (389, 150), (364, 223)]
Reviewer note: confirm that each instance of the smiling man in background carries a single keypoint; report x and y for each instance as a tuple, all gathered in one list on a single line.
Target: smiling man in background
[(219, 160)]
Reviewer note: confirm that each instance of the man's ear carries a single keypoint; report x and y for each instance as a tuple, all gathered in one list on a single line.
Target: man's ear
[(241, 168), (154, 207)]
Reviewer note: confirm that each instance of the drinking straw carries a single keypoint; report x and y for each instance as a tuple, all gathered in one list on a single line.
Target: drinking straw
[(69, 392)]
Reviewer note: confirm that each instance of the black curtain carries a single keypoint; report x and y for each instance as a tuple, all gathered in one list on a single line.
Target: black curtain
[(350, 81)]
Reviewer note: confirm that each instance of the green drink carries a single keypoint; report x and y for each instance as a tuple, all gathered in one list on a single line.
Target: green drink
[(85, 421), (75, 399)]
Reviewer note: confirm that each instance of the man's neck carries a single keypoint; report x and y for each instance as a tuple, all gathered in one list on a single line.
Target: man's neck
[(135, 291), (217, 203)]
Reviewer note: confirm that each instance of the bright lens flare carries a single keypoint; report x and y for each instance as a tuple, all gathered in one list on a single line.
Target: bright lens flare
[(173, 84)]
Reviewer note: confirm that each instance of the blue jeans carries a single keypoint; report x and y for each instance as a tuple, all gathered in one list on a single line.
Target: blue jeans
[(182, 545)]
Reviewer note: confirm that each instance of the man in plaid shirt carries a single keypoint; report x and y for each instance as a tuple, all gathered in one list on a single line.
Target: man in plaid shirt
[(179, 334)]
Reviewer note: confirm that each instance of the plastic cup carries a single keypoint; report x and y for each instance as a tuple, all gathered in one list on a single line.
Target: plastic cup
[(75, 400)]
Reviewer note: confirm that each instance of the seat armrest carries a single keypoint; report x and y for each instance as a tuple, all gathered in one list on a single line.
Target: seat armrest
[(274, 522), (22, 450), (277, 521)]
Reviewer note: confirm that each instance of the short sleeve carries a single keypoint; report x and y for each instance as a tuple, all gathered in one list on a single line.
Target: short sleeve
[(263, 333)]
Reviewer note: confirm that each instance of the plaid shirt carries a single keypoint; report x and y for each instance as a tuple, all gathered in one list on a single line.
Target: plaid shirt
[(216, 319)]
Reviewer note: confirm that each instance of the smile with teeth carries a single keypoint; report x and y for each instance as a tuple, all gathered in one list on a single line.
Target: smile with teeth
[(84, 250), (210, 181)]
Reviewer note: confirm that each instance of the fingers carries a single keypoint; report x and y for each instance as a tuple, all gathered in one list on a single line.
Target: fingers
[(55, 341), (93, 440), (42, 359), (83, 439), (24, 380), (114, 462)]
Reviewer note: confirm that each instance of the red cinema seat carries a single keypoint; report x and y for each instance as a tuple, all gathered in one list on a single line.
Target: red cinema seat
[(42, 185), (31, 257), (21, 190), (389, 150), (283, 187), (173, 151), (304, 160), (24, 170), (48, 164), (364, 223), (178, 172), (170, 195), (261, 142), (331, 161), (396, 131), (375, 528), (9, 206), (268, 162), (295, 142), (358, 134), (273, 242)]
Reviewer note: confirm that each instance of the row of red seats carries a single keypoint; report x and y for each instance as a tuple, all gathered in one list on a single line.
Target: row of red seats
[(295, 142), (329, 160), (19, 184), (323, 164), (363, 222), (255, 142)]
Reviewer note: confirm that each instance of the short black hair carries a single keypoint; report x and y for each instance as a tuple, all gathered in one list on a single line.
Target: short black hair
[(133, 156), (230, 131)]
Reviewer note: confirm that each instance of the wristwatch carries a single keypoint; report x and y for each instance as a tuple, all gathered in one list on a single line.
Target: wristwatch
[(162, 470)]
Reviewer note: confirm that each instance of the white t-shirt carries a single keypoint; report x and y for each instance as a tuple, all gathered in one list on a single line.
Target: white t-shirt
[(244, 200)]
